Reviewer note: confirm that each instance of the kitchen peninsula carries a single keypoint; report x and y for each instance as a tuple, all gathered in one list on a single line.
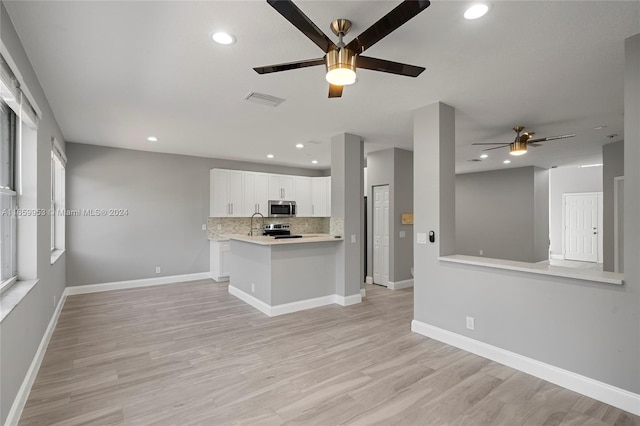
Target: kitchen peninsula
[(279, 276)]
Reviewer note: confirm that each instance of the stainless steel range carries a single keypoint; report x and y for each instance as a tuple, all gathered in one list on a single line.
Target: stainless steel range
[(279, 230)]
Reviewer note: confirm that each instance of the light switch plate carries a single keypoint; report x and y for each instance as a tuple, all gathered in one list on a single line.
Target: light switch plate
[(204, 227), (403, 234), (421, 238), (353, 238)]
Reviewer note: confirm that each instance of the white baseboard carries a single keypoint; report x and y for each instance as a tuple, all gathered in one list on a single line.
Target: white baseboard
[(600, 391), (287, 308), (250, 300), (400, 284), (348, 300), (146, 282), (368, 280), (23, 393), (556, 256)]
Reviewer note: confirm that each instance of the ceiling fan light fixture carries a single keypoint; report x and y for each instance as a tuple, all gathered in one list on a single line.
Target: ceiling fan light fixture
[(518, 148), (341, 67)]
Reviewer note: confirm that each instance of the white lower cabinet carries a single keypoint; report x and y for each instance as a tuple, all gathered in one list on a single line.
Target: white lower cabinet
[(219, 260)]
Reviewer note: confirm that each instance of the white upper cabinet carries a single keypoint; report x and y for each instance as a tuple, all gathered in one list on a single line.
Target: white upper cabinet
[(302, 187), (237, 193), (256, 193), (328, 182), (226, 193), (321, 196), (282, 187)]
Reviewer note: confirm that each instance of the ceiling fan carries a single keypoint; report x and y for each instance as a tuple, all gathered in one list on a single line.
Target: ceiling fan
[(522, 141), (341, 60)]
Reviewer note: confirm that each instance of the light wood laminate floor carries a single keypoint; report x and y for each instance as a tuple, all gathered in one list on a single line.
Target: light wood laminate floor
[(191, 353)]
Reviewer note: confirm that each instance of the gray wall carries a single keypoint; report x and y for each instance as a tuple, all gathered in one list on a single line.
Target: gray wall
[(613, 166), (541, 214), (23, 328), (498, 212), (167, 199), (588, 328), (402, 203), (568, 180), (347, 203), (393, 167)]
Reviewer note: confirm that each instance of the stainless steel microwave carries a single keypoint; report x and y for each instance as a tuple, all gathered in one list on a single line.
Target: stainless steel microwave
[(280, 208)]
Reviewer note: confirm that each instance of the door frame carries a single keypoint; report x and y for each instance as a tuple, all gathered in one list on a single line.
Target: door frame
[(600, 221)]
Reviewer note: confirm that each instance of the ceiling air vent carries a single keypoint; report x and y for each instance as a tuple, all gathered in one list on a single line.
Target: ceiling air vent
[(263, 99)]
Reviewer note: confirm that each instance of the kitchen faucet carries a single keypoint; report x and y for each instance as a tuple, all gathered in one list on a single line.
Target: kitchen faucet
[(251, 229)]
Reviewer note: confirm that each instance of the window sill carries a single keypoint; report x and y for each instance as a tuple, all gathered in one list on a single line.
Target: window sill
[(538, 268), (13, 296), (55, 255)]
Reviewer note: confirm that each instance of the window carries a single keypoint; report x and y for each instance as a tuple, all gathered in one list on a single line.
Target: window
[(57, 198), (18, 209), (8, 196)]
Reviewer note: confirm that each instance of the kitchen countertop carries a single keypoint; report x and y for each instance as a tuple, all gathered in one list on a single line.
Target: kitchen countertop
[(270, 241)]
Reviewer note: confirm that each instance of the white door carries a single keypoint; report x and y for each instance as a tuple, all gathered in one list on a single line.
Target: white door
[(381, 235), (581, 227)]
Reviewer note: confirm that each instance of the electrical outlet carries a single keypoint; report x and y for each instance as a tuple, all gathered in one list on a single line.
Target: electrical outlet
[(403, 234), (481, 252), (219, 227), (157, 269), (353, 238), (421, 238), (253, 288), (471, 323), (204, 227)]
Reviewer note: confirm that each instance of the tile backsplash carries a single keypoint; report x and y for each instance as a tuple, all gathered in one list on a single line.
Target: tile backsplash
[(240, 225)]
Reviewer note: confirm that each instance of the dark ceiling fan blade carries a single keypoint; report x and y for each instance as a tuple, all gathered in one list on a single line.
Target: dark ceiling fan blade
[(387, 24), (552, 138), (388, 66), (291, 13), (493, 143), (497, 147), (335, 91), (289, 66)]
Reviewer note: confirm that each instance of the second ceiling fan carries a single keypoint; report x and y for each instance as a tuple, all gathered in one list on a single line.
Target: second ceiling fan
[(522, 141), (342, 60)]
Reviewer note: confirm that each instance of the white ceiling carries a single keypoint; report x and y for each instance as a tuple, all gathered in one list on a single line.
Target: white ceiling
[(116, 72)]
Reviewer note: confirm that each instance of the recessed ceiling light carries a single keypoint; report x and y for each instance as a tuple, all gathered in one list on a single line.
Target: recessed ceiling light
[(270, 155), (599, 127), (152, 139), (507, 161), (223, 38), (299, 145), (590, 165), (484, 156), (476, 11), (314, 161)]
